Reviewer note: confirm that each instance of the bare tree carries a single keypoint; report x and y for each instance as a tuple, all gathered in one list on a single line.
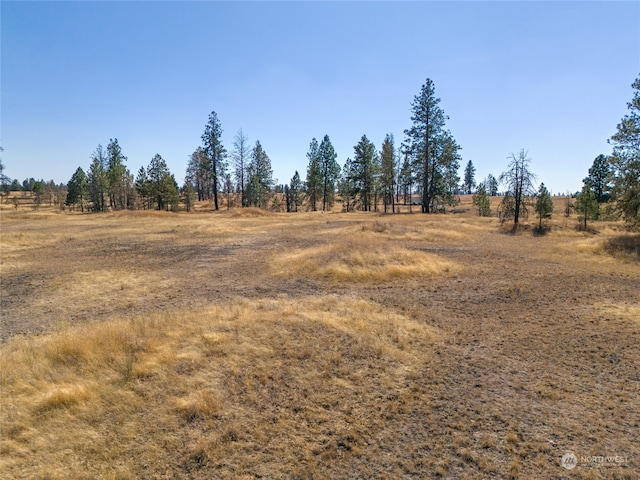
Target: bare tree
[(519, 182), (241, 157)]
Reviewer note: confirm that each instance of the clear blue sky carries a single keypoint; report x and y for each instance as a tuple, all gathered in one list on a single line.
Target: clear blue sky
[(551, 77)]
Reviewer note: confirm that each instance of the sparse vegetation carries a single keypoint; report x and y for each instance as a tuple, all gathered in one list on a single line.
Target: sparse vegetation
[(244, 343)]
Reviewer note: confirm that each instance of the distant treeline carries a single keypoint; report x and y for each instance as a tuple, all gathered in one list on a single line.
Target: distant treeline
[(425, 165)]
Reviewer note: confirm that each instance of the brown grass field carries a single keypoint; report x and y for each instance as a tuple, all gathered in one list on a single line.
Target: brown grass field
[(245, 344)]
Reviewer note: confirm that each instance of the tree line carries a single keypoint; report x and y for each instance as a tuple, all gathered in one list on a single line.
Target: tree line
[(421, 171)]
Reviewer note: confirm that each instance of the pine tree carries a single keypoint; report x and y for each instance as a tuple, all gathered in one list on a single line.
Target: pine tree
[(544, 205), (215, 153), (329, 171), (38, 190), (314, 175), (163, 190), (599, 177), (260, 177), (422, 144), (449, 160), (406, 180), (625, 161), (143, 188), (491, 185), (188, 195), (295, 191), (346, 185), (388, 172), (117, 176), (363, 168), (78, 189), (587, 205), (481, 200), (97, 178), (469, 178)]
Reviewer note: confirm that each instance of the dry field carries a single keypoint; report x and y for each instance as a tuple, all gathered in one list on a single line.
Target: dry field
[(247, 344)]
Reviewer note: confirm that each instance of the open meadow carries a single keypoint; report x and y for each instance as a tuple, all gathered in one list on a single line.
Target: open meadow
[(247, 344)]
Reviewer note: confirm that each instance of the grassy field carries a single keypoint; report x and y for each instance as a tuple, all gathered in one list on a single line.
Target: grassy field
[(246, 344)]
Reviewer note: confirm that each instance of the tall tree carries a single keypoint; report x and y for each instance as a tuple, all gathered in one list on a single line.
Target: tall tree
[(388, 172), (241, 156), (143, 188), (78, 189), (491, 185), (329, 171), (198, 173), (260, 177), (38, 191), (519, 182), (406, 180), (599, 177), (188, 195), (449, 160), (421, 142), (117, 176), (587, 205), (314, 175), (544, 205), (97, 178), (347, 186), (363, 168), (295, 192), (625, 161), (162, 187), (216, 153), (469, 182)]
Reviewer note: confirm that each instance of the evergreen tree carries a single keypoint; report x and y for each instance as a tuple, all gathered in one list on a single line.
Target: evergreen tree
[(117, 176), (38, 191), (406, 180), (587, 205), (422, 141), (314, 175), (625, 161), (346, 185), (295, 192), (215, 153), (329, 171), (363, 170), (599, 177), (163, 190), (469, 178), (97, 178), (388, 172), (491, 185), (198, 173), (449, 159), (188, 196), (143, 188), (481, 200), (544, 205), (260, 177), (78, 189)]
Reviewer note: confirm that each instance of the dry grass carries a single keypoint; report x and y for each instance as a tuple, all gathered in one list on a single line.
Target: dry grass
[(221, 391), (216, 345), (361, 259)]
